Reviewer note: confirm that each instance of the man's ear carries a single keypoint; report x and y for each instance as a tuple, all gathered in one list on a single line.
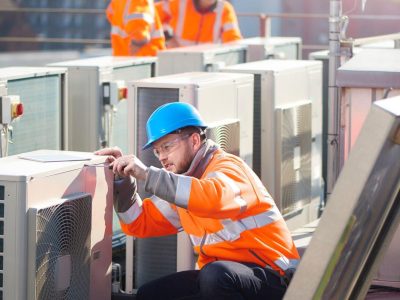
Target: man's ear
[(196, 140)]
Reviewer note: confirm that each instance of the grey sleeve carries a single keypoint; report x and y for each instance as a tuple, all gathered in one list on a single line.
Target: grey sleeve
[(124, 193), (162, 183)]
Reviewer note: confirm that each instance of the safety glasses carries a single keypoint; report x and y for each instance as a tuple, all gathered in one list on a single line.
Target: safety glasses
[(169, 147)]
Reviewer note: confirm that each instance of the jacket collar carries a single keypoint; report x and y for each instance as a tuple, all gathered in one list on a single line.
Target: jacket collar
[(201, 159)]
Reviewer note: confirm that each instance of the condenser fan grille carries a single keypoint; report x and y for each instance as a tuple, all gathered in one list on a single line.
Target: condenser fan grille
[(60, 249), (226, 133)]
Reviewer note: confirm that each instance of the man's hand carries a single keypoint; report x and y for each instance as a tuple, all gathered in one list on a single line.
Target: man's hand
[(129, 165), (113, 153)]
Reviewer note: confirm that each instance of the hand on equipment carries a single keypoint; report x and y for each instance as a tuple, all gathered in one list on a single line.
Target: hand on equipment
[(129, 165)]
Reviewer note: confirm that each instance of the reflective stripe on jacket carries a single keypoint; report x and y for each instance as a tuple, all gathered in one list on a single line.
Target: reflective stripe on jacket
[(192, 27), (135, 23), (222, 205)]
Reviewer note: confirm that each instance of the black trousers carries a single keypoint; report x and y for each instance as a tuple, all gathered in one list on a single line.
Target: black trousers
[(215, 281)]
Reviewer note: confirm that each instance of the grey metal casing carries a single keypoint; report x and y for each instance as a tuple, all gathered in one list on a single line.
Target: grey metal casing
[(86, 110), (34, 184), (280, 83), (200, 58), (43, 92)]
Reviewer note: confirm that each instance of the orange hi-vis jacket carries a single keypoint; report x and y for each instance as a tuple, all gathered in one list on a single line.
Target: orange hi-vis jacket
[(135, 23), (191, 27), (222, 205)]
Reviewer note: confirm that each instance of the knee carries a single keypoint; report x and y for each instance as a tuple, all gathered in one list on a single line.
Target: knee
[(215, 276)]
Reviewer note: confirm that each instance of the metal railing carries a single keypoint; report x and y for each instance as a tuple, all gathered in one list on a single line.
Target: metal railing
[(264, 20)]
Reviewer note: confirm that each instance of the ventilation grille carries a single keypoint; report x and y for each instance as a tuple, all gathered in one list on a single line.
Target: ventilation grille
[(226, 133), (119, 135), (257, 125), (155, 257), (40, 125), (294, 165), (59, 250)]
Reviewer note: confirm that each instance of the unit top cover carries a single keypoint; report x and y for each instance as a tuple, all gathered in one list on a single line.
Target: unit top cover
[(14, 73), (194, 78), (371, 68), (274, 65), (275, 40), (203, 48), (42, 163), (106, 61)]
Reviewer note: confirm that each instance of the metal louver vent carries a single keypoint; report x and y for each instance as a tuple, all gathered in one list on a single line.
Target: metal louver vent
[(42, 101), (226, 133), (294, 161), (59, 250)]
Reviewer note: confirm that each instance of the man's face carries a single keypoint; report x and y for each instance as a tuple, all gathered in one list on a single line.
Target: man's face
[(175, 152)]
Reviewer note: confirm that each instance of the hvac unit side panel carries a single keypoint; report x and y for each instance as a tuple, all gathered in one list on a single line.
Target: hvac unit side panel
[(40, 125), (14, 245), (98, 183), (291, 85), (216, 102), (84, 109), (315, 95), (245, 113), (268, 130)]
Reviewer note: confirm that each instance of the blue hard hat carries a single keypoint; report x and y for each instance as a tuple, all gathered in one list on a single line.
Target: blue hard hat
[(170, 117)]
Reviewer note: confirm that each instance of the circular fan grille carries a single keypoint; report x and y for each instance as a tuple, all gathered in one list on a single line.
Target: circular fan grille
[(63, 250)]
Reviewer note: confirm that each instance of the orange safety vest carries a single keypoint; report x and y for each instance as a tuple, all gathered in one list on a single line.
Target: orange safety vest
[(135, 23), (223, 206), (191, 27)]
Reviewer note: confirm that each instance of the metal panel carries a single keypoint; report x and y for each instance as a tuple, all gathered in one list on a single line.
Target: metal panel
[(226, 133), (293, 150), (40, 127), (361, 216)]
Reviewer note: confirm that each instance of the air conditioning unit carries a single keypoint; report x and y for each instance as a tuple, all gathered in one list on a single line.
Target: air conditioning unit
[(200, 58), (371, 75), (97, 112), (260, 48), (55, 226), (217, 96), (282, 146), (42, 92)]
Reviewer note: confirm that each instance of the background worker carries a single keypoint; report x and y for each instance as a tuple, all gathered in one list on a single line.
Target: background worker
[(245, 250), (135, 28), (191, 22)]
